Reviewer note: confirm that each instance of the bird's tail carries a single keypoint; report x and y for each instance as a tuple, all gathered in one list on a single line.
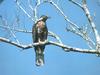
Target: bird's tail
[(39, 57)]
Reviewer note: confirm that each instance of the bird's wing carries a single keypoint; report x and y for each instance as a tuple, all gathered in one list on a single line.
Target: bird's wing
[(45, 32), (34, 33)]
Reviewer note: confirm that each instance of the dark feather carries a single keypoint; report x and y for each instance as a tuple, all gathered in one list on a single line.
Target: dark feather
[(39, 33)]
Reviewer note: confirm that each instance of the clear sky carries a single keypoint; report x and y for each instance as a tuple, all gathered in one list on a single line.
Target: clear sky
[(13, 61)]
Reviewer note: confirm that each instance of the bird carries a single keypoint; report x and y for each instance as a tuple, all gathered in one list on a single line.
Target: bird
[(39, 34)]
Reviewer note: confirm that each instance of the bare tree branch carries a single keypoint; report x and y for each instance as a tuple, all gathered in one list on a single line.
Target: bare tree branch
[(15, 44), (55, 36), (76, 3), (18, 4), (65, 47), (83, 35), (35, 10), (26, 31), (77, 28), (73, 28), (29, 2), (92, 24), (17, 30), (86, 10)]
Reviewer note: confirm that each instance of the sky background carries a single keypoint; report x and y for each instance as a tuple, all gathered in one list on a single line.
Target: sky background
[(14, 61)]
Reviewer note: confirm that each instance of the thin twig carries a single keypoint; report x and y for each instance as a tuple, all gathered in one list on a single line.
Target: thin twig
[(18, 4), (29, 2), (55, 36), (66, 18), (92, 24), (38, 3), (76, 3), (82, 34), (26, 31)]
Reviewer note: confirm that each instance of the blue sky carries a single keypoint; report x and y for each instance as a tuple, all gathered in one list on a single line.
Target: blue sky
[(13, 61)]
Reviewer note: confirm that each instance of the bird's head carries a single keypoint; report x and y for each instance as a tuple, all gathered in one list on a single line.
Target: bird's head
[(44, 18)]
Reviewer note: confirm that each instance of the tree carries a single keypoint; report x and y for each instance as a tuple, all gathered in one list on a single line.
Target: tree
[(87, 32)]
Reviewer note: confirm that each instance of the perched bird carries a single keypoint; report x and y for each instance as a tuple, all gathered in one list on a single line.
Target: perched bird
[(39, 34)]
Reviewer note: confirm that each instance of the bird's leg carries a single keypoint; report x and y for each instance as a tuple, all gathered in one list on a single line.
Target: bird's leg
[(39, 40)]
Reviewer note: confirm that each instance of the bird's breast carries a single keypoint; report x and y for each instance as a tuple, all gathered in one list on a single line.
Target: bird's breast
[(40, 24)]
